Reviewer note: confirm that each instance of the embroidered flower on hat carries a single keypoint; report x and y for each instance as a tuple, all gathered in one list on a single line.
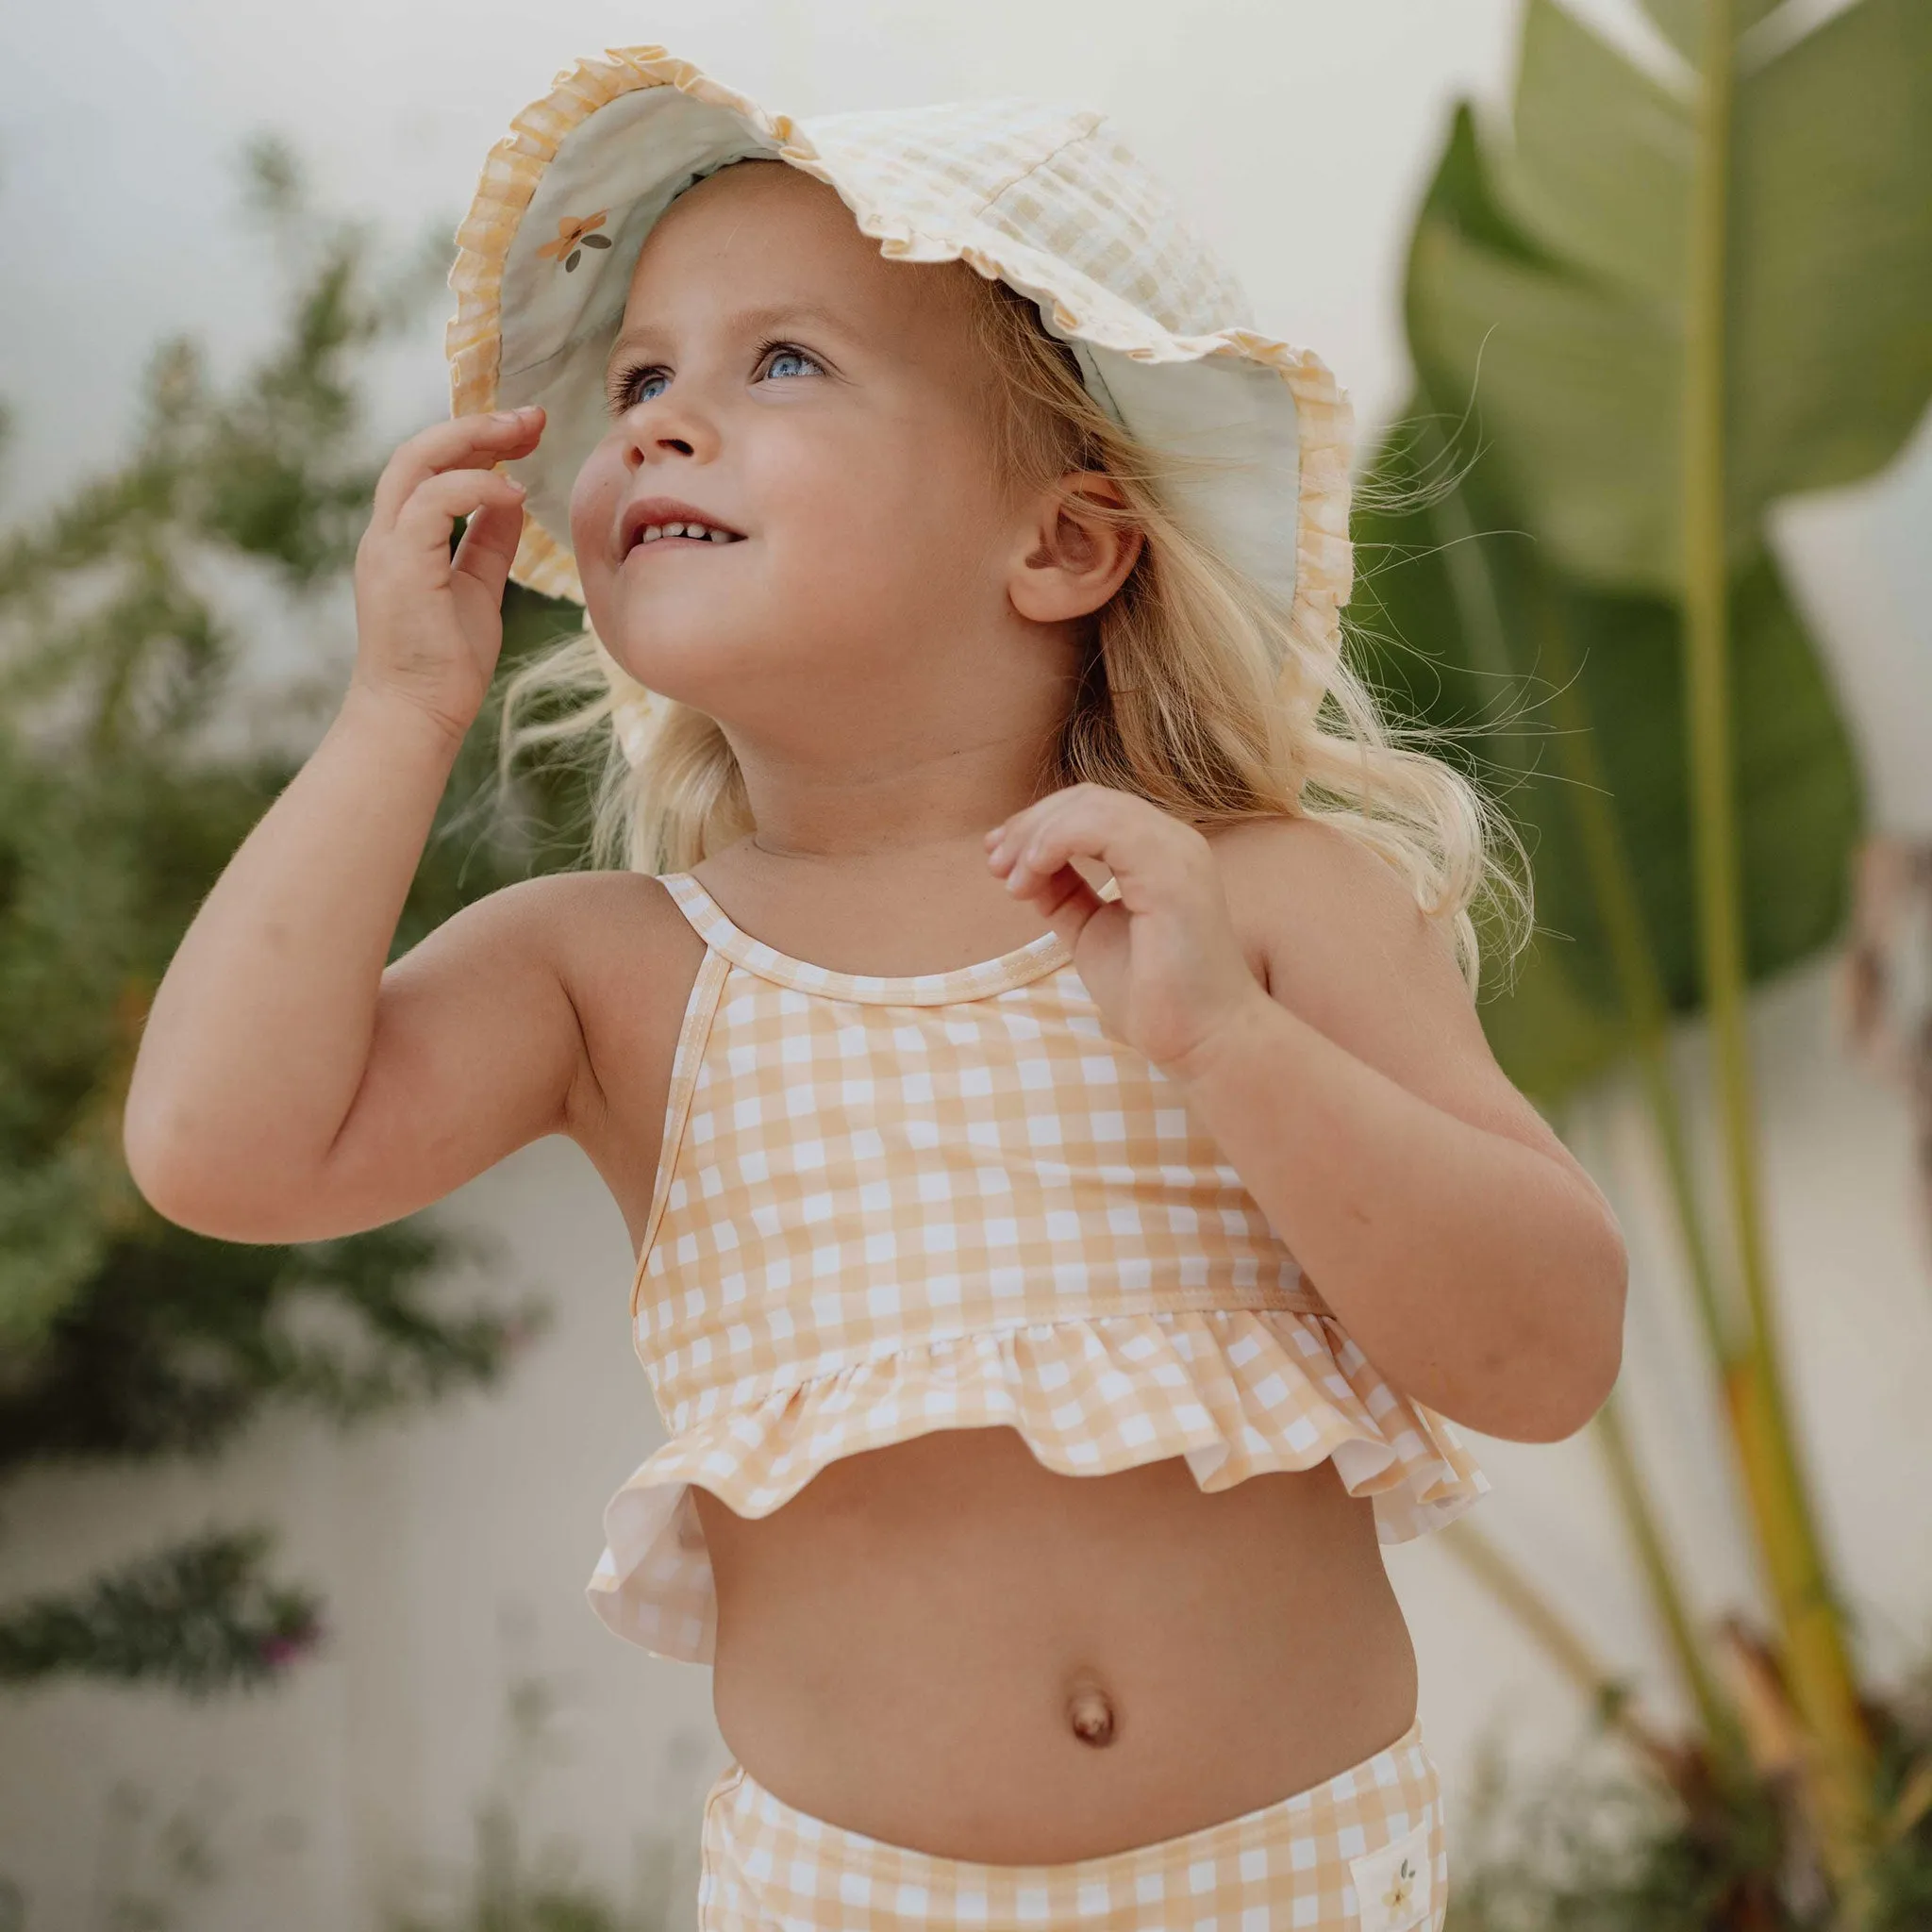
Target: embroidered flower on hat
[(574, 236)]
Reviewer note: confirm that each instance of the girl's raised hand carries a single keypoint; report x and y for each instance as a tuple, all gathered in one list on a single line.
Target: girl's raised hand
[(1162, 961), (430, 625)]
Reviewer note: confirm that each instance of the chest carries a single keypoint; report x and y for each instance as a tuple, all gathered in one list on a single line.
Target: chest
[(1013, 1068)]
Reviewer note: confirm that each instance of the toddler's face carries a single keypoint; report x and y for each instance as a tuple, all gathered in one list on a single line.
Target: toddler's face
[(830, 409)]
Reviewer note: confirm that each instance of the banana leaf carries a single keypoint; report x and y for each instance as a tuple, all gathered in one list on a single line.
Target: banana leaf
[(1669, 305), (1463, 623), (1577, 327)]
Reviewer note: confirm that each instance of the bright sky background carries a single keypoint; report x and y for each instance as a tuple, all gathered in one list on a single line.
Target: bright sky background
[(1298, 131)]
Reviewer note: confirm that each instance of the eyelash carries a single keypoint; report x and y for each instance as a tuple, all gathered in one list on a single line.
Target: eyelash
[(618, 389)]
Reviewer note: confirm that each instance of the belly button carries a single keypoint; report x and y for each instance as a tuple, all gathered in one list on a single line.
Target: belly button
[(1090, 1713)]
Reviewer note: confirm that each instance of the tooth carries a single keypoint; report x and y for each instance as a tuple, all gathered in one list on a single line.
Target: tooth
[(673, 529), (651, 532), (719, 537)]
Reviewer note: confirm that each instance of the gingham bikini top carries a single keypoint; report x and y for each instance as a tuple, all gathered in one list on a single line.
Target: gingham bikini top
[(889, 1205)]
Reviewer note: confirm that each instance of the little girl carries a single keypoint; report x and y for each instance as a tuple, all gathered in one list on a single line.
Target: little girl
[(1028, 1027)]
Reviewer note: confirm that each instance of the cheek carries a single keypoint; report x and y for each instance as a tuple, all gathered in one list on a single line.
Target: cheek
[(903, 490), (594, 500)]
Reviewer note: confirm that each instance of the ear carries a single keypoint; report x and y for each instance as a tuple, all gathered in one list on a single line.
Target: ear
[(1074, 556)]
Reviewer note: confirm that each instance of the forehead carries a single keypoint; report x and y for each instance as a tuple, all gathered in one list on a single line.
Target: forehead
[(763, 235)]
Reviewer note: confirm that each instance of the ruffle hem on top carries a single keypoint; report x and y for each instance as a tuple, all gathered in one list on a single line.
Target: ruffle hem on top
[(1236, 1391)]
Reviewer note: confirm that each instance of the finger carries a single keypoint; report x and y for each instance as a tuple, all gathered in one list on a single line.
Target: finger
[(426, 520), (1019, 827), (1010, 858), (1050, 822), (489, 546), (1061, 896), (465, 441), (1130, 837)]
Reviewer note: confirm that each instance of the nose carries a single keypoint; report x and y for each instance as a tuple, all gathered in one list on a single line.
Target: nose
[(665, 427)]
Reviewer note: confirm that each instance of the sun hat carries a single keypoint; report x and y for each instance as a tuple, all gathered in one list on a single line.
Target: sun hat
[(1045, 198)]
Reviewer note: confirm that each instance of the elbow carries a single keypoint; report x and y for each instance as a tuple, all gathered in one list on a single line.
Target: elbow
[(153, 1141), (174, 1174), (1581, 1358), (144, 1152), (161, 1183), (1566, 1398)]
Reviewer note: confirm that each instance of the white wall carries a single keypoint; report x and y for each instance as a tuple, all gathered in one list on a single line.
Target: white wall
[(454, 1546)]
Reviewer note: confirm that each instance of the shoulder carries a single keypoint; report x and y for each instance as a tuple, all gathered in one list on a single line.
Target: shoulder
[(1341, 943), (1346, 947), (1322, 909), (623, 957), (616, 940), (615, 935), (572, 917)]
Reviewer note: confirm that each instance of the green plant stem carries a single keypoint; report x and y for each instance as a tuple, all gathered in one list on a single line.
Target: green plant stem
[(1614, 882), (1730, 1755), (1614, 887), (1815, 1652), (1558, 1641)]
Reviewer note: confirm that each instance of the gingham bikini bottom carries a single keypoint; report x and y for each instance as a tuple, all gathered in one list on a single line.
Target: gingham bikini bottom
[(1363, 1851)]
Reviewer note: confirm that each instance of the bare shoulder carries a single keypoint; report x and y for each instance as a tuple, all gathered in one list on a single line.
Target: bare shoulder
[(592, 910), (1321, 908), (569, 974), (623, 953), (576, 923), (491, 1031), (1346, 947)]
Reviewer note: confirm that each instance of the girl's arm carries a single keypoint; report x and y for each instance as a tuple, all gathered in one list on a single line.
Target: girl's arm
[(287, 1087), (1466, 1250)]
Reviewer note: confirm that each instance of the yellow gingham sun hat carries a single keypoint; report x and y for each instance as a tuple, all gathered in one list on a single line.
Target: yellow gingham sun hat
[(1045, 198)]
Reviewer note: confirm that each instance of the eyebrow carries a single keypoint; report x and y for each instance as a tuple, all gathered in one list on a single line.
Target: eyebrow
[(746, 322)]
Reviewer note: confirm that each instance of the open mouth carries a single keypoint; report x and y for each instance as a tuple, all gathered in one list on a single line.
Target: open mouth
[(683, 534), (680, 525)]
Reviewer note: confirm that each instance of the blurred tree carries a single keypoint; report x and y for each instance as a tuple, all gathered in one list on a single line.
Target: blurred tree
[(1675, 300), (131, 767)]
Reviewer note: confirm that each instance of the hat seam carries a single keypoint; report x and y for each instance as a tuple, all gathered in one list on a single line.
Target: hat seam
[(1033, 167)]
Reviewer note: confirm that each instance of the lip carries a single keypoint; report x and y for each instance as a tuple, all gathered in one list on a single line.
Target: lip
[(666, 509)]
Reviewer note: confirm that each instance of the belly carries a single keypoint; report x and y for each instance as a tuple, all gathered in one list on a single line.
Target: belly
[(946, 1645)]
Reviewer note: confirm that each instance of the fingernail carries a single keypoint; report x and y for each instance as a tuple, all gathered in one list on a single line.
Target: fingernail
[(508, 418), (517, 488)]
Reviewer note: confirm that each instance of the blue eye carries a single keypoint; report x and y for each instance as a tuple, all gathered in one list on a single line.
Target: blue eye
[(626, 388), (784, 351), (629, 386)]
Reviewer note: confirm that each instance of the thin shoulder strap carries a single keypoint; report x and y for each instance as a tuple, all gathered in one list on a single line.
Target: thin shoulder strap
[(693, 1034), (705, 916)]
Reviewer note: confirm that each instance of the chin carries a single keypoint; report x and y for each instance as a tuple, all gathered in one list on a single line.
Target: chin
[(690, 657)]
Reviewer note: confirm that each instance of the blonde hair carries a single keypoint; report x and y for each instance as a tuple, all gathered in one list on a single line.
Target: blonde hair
[(1199, 692)]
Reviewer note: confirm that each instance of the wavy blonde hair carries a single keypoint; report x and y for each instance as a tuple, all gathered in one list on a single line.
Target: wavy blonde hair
[(1199, 692)]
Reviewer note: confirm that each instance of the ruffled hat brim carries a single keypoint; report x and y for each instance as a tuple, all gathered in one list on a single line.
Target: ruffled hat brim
[(567, 197)]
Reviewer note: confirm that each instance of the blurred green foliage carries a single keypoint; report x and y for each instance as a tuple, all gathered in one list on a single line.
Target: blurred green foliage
[(1658, 300), (131, 768), (198, 1616), (1528, 538), (1587, 1845)]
